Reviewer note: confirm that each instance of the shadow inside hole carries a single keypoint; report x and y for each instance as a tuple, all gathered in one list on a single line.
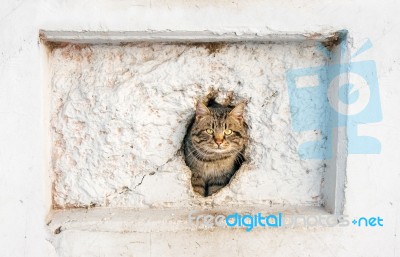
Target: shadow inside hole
[(214, 157)]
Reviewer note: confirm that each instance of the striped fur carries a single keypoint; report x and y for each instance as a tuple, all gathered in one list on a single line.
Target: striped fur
[(215, 157)]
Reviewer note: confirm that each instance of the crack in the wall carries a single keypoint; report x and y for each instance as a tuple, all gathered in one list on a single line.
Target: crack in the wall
[(141, 181)]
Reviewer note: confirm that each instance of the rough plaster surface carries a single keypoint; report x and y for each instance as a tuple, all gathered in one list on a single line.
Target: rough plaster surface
[(119, 115), (25, 192)]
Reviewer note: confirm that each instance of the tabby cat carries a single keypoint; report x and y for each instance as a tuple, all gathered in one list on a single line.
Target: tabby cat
[(214, 145)]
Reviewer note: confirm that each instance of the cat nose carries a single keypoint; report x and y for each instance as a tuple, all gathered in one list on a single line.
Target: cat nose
[(218, 141)]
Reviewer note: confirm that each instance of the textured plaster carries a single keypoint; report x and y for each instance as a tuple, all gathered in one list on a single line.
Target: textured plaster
[(119, 115)]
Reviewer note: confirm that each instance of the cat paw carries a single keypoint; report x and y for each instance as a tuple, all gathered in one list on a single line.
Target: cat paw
[(214, 189), (199, 190)]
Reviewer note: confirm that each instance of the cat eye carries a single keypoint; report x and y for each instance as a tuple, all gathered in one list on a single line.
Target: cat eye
[(209, 131), (228, 131)]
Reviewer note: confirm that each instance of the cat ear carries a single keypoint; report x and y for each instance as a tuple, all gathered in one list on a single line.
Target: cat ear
[(201, 110), (238, 111)]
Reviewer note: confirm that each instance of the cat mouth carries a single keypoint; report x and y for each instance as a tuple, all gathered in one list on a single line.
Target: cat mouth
[(220, 150)]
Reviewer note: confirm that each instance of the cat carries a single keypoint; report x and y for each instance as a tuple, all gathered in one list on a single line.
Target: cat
[(214, 145)]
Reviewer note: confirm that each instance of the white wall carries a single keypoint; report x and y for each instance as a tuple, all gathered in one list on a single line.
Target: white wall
[(120, 113), (372, 180)]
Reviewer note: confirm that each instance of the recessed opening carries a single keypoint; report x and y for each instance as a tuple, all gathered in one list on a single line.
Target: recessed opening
[(119, 114), (215, 143)]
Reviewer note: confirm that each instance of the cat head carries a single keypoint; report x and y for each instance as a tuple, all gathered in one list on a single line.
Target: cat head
[(219, 129)]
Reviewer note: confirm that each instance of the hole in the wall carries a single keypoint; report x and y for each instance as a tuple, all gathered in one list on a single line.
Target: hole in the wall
[(215, 143), (253, 70)]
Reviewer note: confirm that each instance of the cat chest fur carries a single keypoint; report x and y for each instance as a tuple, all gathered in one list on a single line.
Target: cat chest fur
[(217, 168)]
